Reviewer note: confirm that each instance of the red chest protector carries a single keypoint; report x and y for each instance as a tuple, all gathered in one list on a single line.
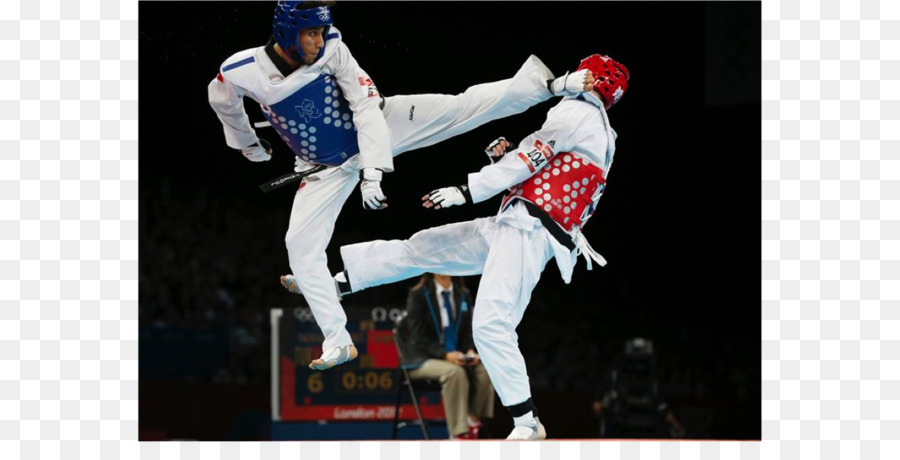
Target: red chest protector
[(564, 188)]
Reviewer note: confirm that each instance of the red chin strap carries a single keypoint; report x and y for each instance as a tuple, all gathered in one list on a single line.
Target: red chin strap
[(610, 77)]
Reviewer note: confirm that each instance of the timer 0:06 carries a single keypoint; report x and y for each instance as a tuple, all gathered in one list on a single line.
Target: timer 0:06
[(369, 381)]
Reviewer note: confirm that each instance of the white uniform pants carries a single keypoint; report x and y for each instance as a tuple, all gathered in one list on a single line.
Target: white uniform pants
[(510, 252), (436, 117)]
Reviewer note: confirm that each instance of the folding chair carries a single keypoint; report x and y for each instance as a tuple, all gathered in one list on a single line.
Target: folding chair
[(412, 386)]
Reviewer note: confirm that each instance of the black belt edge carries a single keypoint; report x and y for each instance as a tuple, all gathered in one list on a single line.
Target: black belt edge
[(555, 230)]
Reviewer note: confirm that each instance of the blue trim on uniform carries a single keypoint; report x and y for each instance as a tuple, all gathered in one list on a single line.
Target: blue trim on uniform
[(593, 100), (238, 64), (330, 36)]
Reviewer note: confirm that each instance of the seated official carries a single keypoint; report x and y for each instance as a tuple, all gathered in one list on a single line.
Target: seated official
[(436, 343)]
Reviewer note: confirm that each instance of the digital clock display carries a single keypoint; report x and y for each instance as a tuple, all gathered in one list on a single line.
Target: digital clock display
[(363, 389), (352, 381)]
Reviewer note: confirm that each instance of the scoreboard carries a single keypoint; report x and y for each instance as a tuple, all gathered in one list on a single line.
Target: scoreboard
[(364, 389)]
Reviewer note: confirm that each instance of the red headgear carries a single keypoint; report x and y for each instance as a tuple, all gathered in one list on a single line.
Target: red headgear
[(610, 77)]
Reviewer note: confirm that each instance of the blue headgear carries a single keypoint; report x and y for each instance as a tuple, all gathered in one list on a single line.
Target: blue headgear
[(291, 18)]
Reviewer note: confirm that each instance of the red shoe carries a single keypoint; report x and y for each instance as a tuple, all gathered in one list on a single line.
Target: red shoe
[(473, 431), (468, 436)]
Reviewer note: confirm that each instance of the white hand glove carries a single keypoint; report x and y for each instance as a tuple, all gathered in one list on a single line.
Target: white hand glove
[(495, 150), (260, 151), (446, 197), (372, 196)]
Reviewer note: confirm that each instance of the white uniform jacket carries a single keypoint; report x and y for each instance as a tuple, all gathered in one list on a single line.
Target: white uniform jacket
[(578, 124)]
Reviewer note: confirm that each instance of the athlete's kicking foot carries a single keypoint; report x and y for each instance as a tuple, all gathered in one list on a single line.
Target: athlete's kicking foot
[(534, 432), (334, 357), (341, 288), (290, 284), (572, 84)]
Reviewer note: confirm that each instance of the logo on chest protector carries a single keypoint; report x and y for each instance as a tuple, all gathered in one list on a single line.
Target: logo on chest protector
[(307, 110), (537, 158)]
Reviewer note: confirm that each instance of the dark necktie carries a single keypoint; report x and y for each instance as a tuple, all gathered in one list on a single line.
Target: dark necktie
[(450, 331)]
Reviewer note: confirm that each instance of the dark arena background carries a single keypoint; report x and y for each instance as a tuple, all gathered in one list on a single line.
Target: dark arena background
[(675, 225)]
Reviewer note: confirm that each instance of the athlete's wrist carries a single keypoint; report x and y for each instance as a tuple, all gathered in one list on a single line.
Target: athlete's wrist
[(466, 193), (371, 174)]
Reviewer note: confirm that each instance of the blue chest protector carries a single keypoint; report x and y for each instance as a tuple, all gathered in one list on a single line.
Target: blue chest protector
[(316, 122)]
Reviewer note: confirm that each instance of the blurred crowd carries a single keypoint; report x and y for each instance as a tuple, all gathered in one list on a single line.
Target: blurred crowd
[(202, 270), (210, 263)]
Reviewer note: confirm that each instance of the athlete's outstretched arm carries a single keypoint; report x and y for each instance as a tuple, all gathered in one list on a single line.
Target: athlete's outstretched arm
[(516, 166)]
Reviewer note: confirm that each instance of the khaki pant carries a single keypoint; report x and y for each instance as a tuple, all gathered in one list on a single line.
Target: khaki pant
[(458, 400)]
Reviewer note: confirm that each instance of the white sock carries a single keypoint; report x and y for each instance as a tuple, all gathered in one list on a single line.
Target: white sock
[(340, 278), (472, 422), (525, 420)]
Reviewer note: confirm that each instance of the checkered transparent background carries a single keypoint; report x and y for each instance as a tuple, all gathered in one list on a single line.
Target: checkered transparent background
[(830, 246)]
